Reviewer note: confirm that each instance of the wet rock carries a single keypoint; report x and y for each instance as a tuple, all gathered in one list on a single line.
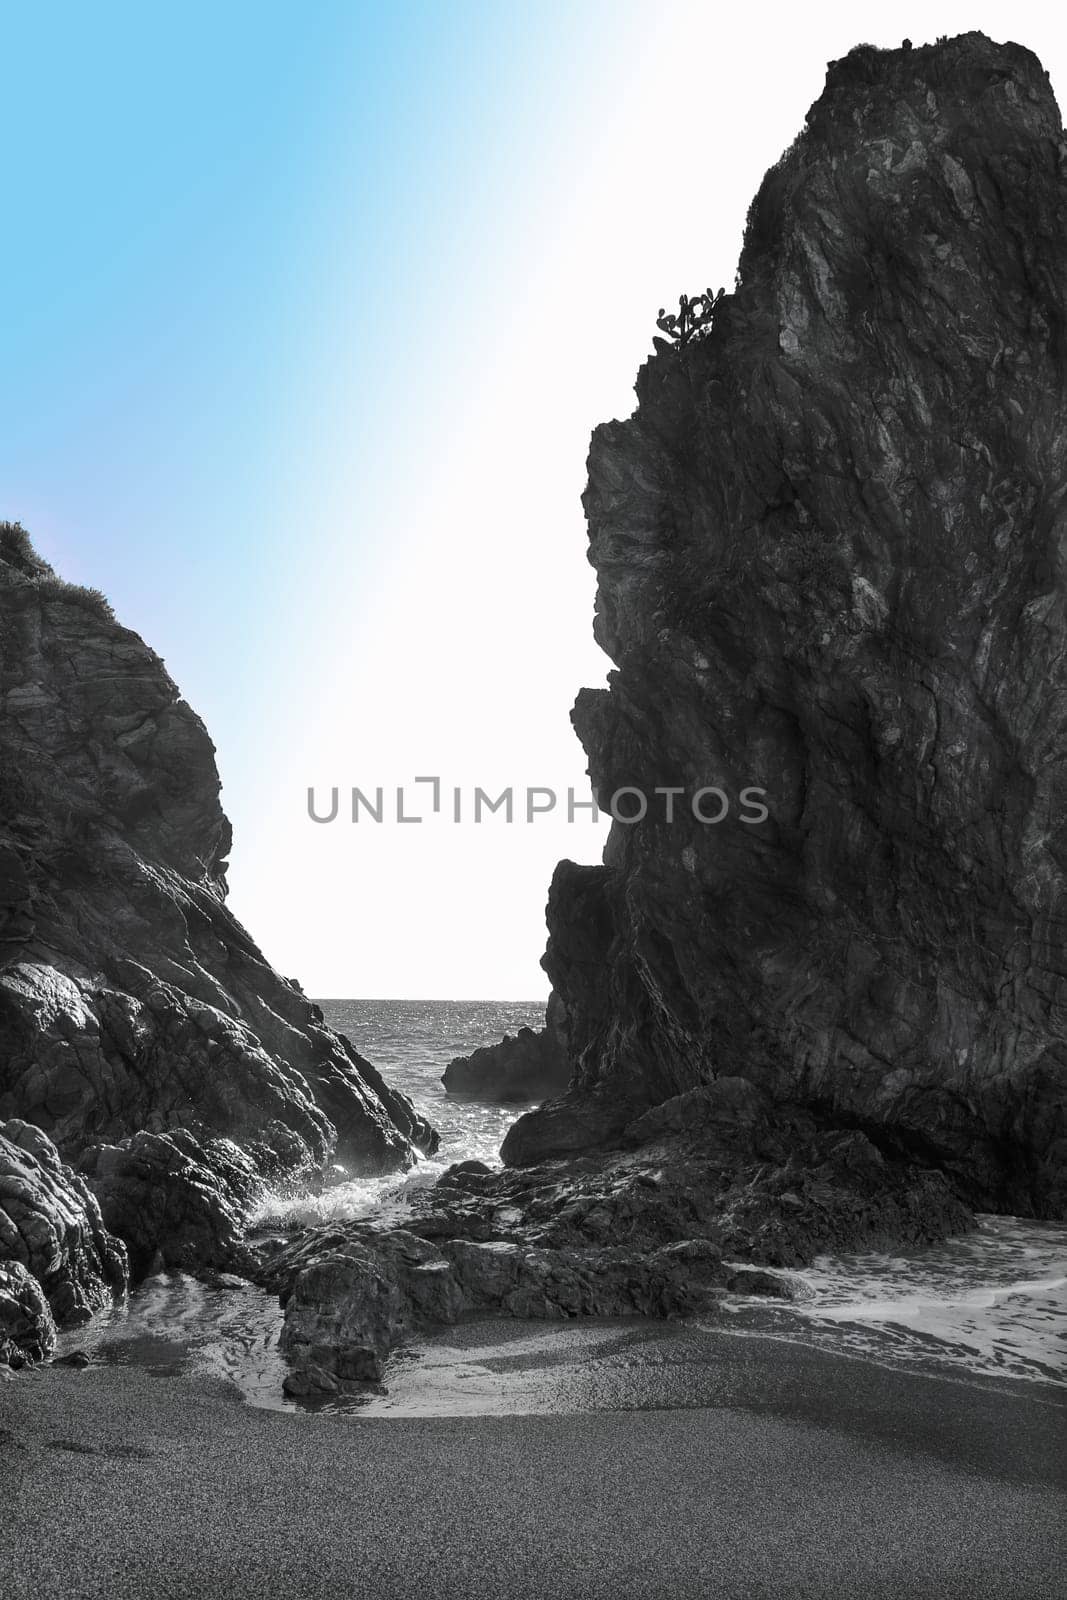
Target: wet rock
[(751, 1280), (27, 1328), (828, 552), (308, 1382), (51, 1227), (351, 1297), (179, 1203), (645, 1231), (75, 1358), (466, 1173), (529, 1066)]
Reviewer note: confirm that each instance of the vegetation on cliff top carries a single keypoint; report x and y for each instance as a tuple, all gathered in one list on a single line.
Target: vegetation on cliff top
[(20, 564)]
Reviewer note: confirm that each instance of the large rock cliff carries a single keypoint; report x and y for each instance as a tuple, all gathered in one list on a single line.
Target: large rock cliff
[(829, 551), (140, 1027), (831, 547)]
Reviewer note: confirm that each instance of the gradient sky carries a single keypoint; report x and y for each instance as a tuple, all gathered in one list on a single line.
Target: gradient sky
[(309, 313)]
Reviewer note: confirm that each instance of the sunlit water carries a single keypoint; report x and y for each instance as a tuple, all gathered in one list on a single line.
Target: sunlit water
[(174, 1324), (411, 1042), (993, 1303)]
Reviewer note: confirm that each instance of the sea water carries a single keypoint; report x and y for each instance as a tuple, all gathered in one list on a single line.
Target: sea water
[(225, 1328), (992, 1303), (411, 1043)]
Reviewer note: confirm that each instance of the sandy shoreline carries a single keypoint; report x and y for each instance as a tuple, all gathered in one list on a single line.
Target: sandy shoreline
[(786, 1472)]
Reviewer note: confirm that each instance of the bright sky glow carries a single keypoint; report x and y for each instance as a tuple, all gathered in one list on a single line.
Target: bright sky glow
[(310, 312)]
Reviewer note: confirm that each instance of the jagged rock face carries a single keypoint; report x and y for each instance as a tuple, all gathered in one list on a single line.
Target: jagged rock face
[(131, 1000), (180, 1203), (58, 1262), (27, 1327), (532, 1065), (716, 1177), (830, 549), (355, 1299)]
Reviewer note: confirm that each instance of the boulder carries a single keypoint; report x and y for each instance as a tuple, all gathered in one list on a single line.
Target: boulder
[(350, 1299), (27, 1328), (180, 1203), (59, 1262)]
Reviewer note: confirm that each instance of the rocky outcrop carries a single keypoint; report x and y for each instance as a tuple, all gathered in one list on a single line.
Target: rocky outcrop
[(813, 994), (27, 1327), (58, 1261), (180, 1203), (356, 1299), (721, 1184), (532, 1065), (830, 545), (140, 1027)]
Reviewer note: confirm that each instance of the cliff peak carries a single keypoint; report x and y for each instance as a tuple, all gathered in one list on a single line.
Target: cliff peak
[(830, 552)]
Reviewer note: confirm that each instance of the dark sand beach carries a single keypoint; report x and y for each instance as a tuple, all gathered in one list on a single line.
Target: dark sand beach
[(734, 1467)]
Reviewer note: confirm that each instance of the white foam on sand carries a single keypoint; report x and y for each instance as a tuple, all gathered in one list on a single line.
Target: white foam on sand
[(993, 1302)]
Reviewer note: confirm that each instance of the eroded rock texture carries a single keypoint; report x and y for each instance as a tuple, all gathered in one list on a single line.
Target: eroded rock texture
[(720, 1185), (140, 1026), (830, 544), (27, 1327), (58, 1262)]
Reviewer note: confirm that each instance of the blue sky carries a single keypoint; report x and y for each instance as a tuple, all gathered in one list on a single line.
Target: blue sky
[(210, 205), (310, 311)]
